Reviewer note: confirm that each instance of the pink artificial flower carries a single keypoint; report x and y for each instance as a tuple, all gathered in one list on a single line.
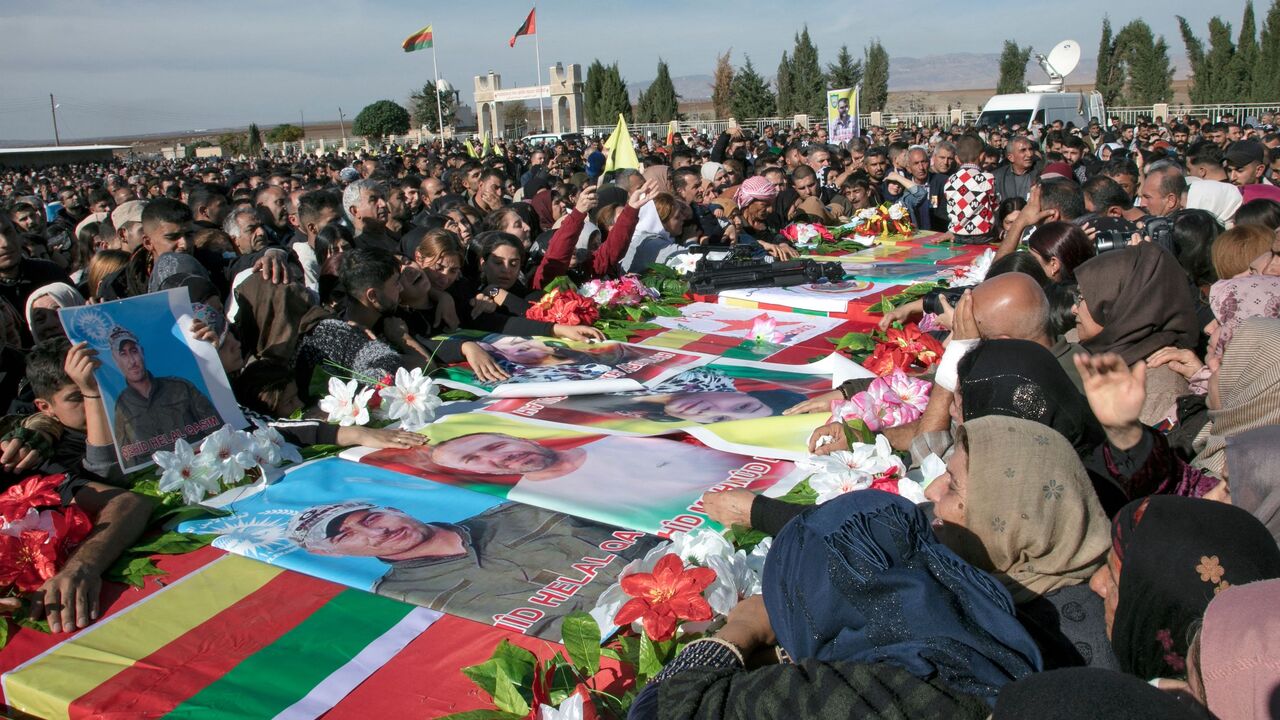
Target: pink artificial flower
[(911, 392), (765, 329)]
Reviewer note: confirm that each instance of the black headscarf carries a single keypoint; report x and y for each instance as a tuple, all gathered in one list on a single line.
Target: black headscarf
[(1175, 554), (1022, 379), (862, 578)]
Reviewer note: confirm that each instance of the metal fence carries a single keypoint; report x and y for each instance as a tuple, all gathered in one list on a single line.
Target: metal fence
[(1241, 111)]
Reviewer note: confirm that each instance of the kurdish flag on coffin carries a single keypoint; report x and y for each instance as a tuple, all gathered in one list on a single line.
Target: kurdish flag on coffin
[(219, 643), (420, 40)]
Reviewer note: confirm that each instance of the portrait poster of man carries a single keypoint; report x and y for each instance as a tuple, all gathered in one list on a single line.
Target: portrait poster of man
[(647, 484), (441, 547), (549, 366), (842, 115), (159, 384), (734, 406)]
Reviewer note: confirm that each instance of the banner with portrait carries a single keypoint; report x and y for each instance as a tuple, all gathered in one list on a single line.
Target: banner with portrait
[(827, 297), (446, 548), (730, 405), (842, 115), (652, 485), (159, 384), (540, 367), (775, 328)]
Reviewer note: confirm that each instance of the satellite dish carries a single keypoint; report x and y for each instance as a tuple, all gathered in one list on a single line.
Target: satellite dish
[(1063, 58)]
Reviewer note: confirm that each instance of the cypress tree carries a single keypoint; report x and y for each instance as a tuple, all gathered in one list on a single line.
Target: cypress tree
[(254, 143), (751, 97), (875, 78), (1150, 73), (1013, 68), (1246, 59), (659, 103), (1221, 65), (722, 85), (783, 81), (1201, 83), (808, 83), (1109, 82), (591, 93), (845, 72), (614, 98), (1266, 79)]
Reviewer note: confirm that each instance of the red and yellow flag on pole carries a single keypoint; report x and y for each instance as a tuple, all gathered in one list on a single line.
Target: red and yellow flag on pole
[(530, 27), (420, 40)]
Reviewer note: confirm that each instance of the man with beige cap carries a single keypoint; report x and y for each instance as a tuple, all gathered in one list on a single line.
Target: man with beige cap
[(127, 220)]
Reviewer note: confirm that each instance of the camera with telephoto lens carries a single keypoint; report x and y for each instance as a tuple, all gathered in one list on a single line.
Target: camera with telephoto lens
[(1114, 233), (932, 299)]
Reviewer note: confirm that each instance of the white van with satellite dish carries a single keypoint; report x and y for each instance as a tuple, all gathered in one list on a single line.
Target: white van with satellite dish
[(1046, 103)]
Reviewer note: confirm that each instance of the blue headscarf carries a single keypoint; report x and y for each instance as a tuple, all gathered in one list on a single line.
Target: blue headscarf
[(863, 579), (595, 165)]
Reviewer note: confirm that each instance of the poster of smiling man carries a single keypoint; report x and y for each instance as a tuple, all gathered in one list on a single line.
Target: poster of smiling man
[(159, 384)]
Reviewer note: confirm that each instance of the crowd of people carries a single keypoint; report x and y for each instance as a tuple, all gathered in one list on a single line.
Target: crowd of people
[(1103, 541)]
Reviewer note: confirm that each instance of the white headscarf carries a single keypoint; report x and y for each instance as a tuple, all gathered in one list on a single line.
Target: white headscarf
[(710, 170), (62, 293), (1219, 198)]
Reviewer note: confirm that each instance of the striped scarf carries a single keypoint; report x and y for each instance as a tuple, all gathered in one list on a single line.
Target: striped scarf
[(1248, 388)]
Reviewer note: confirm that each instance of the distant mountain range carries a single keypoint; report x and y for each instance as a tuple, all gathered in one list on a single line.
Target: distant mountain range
[(955, 71)]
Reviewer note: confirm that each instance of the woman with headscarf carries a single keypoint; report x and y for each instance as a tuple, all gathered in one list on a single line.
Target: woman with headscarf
[(1244, 389), (1236, 672), (1169, 557), (877, 617), (1222, 199), (1252, 461), (1134, 302), (42, 309)]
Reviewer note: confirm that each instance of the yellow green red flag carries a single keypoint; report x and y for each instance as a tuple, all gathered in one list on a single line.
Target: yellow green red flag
[(420, 40)]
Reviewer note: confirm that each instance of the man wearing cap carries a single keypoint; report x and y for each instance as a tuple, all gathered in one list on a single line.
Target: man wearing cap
[(152, 412), (127, 220), (486, 565), (1246, 165)]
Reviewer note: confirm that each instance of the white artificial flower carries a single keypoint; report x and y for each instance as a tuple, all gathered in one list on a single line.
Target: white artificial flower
[(228, 453), (685, 263), (911, 490), (346, 404), (34, 520), (698, 545), (931, 468), (570, 709), (184, 473), (270, 445), (412, 400), (977, 272), (845, 471), (755, 559)]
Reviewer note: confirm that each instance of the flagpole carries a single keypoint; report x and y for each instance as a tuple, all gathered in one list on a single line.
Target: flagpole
[(537, 51), (436, 68)]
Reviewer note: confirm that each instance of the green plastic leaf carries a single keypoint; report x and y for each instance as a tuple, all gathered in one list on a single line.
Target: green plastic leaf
[(581, 637), (744, 538), (611, 654), (857, 431), (650, 664), (4, 633), (507, 695), (172, 543), (513, 661), (483, 715), (132, 571)]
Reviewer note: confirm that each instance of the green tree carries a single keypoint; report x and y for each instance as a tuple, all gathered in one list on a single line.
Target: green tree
[(808, 82), (1201, 83), (722, 85), (1266, 80), (845, 72), (381, 118), (1221, 65), (875, 78), (751, 97), (254, 144), (1109, 82), (1247, 52), (614, 99), (591, 92), (659, 102), (285, 133), (783, 83), (1147, 57), (1013, 68), (425, 112), (233, 144)]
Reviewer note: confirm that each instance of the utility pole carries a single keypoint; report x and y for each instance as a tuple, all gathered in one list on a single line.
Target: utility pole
[(302, 122), (53, 110), (342, 125)]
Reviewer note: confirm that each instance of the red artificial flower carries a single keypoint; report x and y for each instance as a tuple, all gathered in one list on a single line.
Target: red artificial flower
[(28, 560), (886, 481), (920, 346), (387, 381), (70, 528), (886, 359), (564, 307), (36, 491), (665, 597)]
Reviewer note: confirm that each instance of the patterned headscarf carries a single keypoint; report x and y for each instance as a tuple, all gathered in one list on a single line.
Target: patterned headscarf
[(1248, 389), (1175, 554), (755, 188), (1233, 301), (863, 579), (1032, 518)]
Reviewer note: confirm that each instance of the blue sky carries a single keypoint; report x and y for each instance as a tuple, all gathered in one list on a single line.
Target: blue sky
[(136, 66)]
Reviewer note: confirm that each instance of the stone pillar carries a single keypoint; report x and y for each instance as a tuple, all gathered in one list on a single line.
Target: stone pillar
[(566, 84)]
